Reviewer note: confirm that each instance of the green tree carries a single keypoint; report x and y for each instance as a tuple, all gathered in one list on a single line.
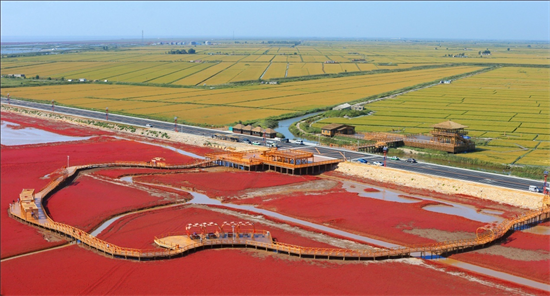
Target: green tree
[(191, 51), (37, 77)]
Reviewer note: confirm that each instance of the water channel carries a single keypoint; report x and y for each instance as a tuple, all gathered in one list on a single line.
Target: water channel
[(285, 124)]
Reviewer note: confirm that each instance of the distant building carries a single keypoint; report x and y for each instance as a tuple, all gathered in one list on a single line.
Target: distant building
[(207, 43), (358, 107), (337, 128), (345, 106), (69, 80), (17, 76), (445, 81), (331, 62), (273, 82), (82, 80)]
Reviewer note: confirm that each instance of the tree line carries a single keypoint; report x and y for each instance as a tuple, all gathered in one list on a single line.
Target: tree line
[(181, 51)]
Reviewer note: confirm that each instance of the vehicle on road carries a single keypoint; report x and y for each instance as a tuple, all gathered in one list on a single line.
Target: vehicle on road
[(299, 142), (148, 125), (285, 141), (362, 160), (534, 188), (272, 144), (256, 143), (394, 158), (377, 163), (411, 160), (277, 139)]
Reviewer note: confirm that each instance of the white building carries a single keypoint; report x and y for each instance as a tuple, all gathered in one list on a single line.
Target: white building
[(345, 106)]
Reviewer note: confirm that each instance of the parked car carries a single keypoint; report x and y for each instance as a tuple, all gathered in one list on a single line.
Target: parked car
[(285, 140), (148, 125), (394, 158), (299, 142), (378, 163), (362, 160), (277, 139), (256, 143), (534, 188), (411, 160)]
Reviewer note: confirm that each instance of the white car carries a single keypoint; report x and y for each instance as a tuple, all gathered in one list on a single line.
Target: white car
[(148, 125), (377, 163)]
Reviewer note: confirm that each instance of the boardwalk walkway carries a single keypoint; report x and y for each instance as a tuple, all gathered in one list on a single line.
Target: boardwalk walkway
[(179, 244)]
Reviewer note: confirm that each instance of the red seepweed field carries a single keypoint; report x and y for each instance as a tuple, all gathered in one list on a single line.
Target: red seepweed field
[(95, 196)]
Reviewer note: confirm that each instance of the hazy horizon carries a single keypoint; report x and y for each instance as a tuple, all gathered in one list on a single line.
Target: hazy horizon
[(89, 21)]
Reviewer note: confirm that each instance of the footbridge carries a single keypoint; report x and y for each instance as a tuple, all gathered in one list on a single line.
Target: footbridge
[(29, 209)]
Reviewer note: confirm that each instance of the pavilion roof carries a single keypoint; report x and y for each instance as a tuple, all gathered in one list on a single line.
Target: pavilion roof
[(449, 125)]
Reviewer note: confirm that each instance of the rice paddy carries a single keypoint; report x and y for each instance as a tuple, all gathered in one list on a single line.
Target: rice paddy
[(509, 108)]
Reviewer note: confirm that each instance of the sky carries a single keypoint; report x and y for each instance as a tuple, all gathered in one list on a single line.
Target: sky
[(63, 20)]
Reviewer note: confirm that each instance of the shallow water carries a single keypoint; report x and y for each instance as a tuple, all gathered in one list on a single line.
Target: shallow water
[(462, 211), (447, 207), (29, 135)]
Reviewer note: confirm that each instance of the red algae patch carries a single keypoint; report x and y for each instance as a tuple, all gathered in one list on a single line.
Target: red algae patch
[(77, 271), (522, 254), (371, 217), (54, 126), (30, 166), (225, 183), (87, 201), (508, 212), (371, 190)]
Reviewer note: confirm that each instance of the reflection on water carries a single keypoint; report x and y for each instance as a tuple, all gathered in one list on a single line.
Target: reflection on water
[(463, 211), (446, 207), (382, 195), (11, 136)]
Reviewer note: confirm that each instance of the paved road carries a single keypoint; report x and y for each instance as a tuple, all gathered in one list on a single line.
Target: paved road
[(425, 168)]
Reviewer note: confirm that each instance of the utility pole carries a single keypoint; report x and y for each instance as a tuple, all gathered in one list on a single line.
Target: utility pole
[(176, 124), (8, 98), (107, 113)]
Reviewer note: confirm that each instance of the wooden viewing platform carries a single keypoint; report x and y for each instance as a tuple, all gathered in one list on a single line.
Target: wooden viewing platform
[(257, 239), (288, 161)]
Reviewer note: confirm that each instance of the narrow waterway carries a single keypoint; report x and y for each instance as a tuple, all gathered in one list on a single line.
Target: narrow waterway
[(285, 124)]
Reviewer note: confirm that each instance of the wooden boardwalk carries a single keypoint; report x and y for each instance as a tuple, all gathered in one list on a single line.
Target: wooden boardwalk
[(178, 245)]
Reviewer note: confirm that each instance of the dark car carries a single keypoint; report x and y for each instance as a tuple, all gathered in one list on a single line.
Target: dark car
[(285, 141), (411, 160)]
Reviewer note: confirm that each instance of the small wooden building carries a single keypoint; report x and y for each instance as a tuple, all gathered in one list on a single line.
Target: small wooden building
[(238, 128), (258, 131), (270, 133), (332, 129), (246, 130), (29, 210)]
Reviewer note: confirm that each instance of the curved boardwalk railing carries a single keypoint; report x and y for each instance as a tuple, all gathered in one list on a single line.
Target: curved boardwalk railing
[(484, 235)]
